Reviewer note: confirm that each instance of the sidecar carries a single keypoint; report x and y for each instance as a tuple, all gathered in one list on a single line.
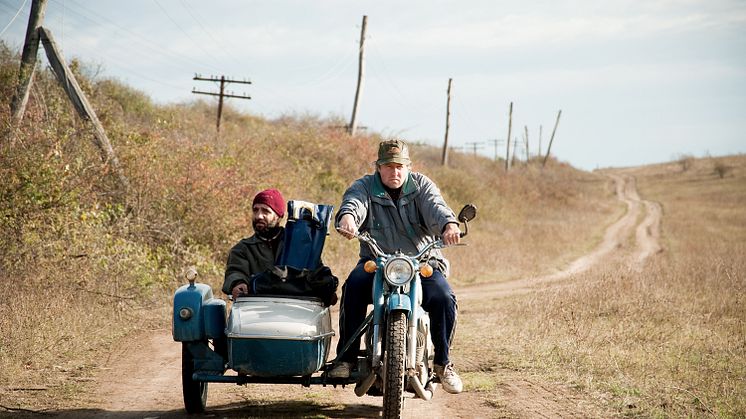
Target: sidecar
[(263, 338)]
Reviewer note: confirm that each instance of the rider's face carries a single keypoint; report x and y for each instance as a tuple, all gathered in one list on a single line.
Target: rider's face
[(393, 175), (263, 218)]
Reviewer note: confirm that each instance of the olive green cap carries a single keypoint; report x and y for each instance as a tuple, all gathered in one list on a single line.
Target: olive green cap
[(393, 151)]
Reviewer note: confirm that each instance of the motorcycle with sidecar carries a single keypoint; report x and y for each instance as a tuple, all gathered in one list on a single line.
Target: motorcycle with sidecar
[(282, 335)]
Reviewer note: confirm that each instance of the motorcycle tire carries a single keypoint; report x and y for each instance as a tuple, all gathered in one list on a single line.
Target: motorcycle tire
[(393, 380), (195, 392)]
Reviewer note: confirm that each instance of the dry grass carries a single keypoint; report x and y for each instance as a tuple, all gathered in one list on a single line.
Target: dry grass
[(669, 341)]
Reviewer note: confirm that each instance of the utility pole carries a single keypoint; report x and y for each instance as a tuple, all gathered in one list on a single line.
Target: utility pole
[(28, 62), (474, 146), (539, 153), (444, 160), (69, 84), (36, 34), (525, 127), (515, 142), (360, 68), (507, 149), (222, 93), (551, 138)]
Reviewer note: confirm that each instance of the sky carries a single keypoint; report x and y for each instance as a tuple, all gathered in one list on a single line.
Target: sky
[(637, 82)]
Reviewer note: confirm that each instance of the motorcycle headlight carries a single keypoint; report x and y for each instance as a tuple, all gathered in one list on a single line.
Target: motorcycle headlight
[(398, 271)]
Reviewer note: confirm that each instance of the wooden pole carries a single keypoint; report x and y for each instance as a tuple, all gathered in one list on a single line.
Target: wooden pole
[(474, 146), (444, 160), (507, 141), (515, 142), (66, 78), (28, 61), (360, 69), (221, 95), (525, 127), (539, 153), (220, 101), (551, 139)]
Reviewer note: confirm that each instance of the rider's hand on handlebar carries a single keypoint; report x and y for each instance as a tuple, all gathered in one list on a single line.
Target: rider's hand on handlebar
[(239, 290), (451, 234), (347, 227)]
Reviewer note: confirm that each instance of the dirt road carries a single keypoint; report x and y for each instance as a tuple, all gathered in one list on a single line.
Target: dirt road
[(144, 380)]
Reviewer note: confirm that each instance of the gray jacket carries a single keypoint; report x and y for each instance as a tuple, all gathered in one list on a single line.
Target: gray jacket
[(418, 218)]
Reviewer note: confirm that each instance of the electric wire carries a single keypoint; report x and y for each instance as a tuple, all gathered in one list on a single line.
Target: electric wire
[(14, 18), (217, 41), (165, 12), (157, 50), (405, 101)]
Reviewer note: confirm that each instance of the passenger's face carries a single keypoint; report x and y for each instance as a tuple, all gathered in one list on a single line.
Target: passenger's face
[(263, 218), (393, 175)]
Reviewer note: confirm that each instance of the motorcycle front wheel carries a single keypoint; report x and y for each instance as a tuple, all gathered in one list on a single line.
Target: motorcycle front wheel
[(393, 380)]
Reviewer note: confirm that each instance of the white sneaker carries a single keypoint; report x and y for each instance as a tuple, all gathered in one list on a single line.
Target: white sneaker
[(341, 370), (450, 381)]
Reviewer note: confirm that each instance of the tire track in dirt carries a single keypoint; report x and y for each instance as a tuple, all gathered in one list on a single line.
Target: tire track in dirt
[(535, 399), (647, 234), (145, 375)]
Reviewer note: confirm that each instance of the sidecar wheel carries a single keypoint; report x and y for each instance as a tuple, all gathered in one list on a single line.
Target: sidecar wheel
[(393, 386), (195, 392)]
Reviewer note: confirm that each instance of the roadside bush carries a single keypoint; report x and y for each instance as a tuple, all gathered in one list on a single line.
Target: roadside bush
[(721, 169)]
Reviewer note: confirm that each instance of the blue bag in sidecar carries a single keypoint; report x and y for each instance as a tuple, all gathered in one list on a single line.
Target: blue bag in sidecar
[(305, 233)]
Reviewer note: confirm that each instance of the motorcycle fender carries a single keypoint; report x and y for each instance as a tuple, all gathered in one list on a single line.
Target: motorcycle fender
[(399, 302), (191, 300)]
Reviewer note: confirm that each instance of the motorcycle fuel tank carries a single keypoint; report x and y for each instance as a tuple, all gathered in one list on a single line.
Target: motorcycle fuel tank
[(278, 336)]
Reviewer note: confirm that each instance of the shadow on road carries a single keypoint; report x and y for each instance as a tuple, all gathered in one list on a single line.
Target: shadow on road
[(280, 409)]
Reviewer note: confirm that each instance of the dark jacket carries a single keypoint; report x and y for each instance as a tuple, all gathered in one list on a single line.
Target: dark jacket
[(416, 219), (250, 256)]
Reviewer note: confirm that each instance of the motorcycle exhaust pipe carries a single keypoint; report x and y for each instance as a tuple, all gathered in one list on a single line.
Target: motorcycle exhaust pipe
[(364, 385), (425, 395)]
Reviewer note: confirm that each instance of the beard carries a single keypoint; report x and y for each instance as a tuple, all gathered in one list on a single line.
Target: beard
[(265, 230)]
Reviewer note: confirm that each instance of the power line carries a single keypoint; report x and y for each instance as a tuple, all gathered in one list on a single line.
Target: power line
[(165, 12), (158, 52), (475, 145), (14, 18), (188, 8)]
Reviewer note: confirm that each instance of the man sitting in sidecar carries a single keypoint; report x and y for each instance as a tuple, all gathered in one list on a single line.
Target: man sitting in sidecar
[(265, 263)]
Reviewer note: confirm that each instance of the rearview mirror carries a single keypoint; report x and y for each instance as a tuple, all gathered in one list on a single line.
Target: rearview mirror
[(467, 213)]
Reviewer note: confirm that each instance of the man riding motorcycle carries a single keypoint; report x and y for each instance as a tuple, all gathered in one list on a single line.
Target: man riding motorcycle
[(403, 210)]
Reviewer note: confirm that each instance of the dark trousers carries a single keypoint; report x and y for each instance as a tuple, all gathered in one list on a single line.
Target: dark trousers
[(437, 299)]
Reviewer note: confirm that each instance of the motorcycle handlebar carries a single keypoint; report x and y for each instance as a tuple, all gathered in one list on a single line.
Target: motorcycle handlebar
[(377, 251)]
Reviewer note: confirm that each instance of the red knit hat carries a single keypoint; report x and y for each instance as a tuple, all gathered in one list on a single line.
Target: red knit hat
[(271, 198)]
